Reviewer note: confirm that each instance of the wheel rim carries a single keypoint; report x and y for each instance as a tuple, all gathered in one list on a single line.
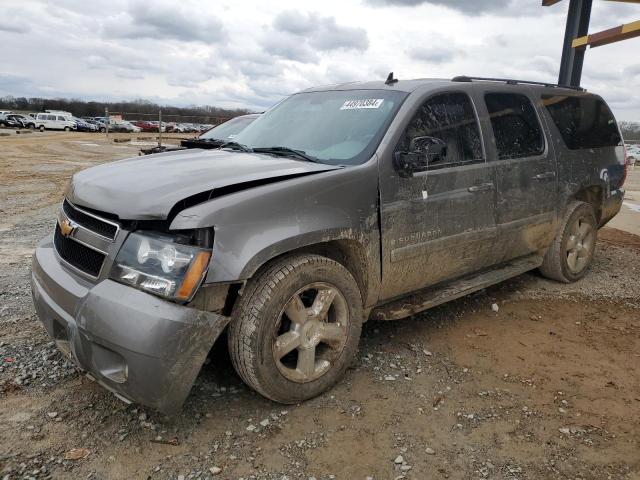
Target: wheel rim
[(311, 332), (579, 244)]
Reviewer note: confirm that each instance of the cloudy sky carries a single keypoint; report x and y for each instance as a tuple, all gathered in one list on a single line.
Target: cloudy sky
[(251, 53)]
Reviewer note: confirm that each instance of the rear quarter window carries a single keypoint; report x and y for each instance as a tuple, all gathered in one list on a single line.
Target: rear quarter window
[(583, 121)]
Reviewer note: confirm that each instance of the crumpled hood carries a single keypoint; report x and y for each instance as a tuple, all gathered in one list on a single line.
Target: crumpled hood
[(147, 187)]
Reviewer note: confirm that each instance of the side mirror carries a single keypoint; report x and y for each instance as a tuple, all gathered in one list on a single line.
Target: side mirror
[(406, 164), (423, 151)]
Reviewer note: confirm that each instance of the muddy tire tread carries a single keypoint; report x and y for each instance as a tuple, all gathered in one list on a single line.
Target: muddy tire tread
[(552, 267), (243, 338)]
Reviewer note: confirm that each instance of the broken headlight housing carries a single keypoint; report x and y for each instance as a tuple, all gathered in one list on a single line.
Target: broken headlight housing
[(160, 265)]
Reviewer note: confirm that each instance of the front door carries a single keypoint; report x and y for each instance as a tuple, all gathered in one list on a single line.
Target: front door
[(439, 218), (526, 175)]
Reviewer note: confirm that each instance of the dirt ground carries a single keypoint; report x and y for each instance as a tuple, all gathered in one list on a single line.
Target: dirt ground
[(547, 387)]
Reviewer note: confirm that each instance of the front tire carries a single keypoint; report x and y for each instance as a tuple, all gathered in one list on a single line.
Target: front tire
[(41, 128), (569, 256), (296, 328), (67, 129)]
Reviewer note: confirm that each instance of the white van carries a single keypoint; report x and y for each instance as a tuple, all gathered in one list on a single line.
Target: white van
[(54, 122), (59, 112)]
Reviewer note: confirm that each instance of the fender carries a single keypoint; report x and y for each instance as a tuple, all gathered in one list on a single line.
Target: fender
[(255, 225)]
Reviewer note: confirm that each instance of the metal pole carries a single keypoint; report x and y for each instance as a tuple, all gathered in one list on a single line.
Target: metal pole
[(572, 59), (160, 128), (106, 121)]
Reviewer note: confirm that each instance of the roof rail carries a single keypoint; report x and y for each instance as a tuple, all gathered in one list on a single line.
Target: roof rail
[(509, 81)]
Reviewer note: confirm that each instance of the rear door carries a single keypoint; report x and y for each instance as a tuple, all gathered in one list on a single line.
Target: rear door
[(526, 174), (437, 223)]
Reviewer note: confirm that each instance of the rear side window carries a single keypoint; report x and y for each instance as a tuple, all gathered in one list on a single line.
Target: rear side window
[(583, 121), (448, 120), (515, 125)]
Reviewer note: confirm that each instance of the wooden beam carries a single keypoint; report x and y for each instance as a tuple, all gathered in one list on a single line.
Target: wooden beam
[(605, 37)]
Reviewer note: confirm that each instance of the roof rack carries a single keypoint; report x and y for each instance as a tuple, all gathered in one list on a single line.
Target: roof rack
[(509, 81)]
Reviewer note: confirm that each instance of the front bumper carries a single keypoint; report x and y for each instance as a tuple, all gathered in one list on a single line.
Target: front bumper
[(142, 348)]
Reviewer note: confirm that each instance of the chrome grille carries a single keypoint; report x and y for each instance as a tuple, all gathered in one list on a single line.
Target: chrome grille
[(78, 255), (89, 221)]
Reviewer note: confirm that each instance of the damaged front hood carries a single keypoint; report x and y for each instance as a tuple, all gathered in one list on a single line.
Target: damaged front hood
[(147, 188)]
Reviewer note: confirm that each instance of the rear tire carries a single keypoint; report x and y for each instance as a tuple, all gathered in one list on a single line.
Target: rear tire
[(569, 256), (296, 328)]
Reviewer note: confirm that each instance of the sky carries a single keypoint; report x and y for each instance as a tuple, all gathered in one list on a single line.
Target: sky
[(251, 54)]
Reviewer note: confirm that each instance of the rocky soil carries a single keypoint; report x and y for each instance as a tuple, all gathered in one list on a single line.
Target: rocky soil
[(529, 379)]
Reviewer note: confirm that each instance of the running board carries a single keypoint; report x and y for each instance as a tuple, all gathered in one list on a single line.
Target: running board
[(430, 297)]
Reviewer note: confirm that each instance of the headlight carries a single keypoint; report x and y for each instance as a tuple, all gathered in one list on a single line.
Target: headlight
[(156, 264)]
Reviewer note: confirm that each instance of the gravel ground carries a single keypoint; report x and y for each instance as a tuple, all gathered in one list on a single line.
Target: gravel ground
[(529, 379)]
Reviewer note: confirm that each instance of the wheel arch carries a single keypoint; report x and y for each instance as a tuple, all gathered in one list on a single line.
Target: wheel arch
[(593, 195), (348, 252)]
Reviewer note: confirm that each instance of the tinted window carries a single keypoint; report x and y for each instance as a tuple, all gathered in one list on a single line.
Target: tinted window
[(447, 120), (62, 119), (515, 125), (583, 121)]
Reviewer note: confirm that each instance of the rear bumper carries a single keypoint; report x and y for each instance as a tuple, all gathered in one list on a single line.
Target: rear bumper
[(611, 205), (144, 349)]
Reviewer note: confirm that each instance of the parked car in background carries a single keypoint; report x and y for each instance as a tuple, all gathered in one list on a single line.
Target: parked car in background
[(60, 112), (100, 126), (182, 128), (633, 154), (49, 121), (84, 126), (25, 121), (212, 138), (220, 134), (124, 126), (9, 121), (146, 126)]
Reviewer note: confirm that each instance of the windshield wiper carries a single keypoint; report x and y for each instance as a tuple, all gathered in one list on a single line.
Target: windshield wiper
[(236, 146), (287, 151)]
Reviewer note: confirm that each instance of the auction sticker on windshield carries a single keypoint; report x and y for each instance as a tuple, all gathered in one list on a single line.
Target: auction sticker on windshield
[(362, 103)]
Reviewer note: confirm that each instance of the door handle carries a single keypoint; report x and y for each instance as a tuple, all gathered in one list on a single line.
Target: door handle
[(544, 176), (483, 187)]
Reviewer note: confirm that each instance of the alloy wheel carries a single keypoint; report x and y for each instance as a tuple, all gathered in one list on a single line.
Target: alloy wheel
[(311, 333), (580, 244)]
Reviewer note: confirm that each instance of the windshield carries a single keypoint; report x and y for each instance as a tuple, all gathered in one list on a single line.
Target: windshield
[(335, 127), (227, 130)]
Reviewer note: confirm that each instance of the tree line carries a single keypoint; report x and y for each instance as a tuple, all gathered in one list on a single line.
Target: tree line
[(135, 110)]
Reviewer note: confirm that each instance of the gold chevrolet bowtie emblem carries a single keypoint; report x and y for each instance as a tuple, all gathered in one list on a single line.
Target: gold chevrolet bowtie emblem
[(67, 228)]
